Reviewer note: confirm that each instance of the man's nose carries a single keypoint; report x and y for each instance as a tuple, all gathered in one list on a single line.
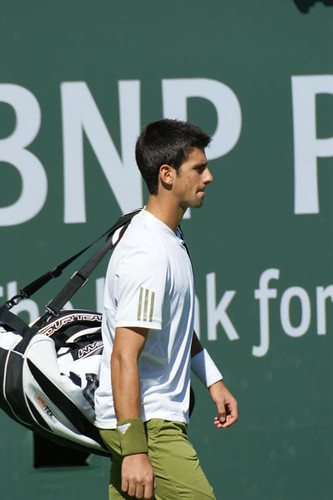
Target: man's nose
[(208, 176)]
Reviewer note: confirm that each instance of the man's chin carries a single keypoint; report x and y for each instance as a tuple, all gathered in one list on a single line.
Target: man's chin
[(197, 204)]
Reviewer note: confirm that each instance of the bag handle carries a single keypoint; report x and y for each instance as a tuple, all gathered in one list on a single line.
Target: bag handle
[(80, 277)]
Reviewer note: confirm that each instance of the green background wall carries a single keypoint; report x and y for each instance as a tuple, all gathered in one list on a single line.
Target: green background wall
[(262, 75)]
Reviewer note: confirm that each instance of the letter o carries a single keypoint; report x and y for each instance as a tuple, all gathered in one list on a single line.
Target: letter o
[(302, 295)]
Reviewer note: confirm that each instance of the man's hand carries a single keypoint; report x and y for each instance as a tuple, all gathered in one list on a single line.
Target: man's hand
[(226, 405), (137, 476)]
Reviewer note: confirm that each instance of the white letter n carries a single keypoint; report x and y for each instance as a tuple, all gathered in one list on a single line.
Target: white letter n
[(80, 113)]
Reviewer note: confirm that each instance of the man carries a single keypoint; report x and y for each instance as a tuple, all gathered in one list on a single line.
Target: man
[(142, 402)]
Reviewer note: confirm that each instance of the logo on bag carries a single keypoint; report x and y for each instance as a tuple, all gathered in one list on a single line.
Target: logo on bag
[(90, 349), (49, 330), (40, 401)]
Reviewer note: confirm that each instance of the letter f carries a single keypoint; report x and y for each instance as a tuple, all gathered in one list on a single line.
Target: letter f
[(263, 294)]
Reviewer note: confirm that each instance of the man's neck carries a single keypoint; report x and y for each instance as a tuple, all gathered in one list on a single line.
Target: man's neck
[(168, 213)]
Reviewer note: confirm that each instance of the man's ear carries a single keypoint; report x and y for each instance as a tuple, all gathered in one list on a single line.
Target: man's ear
[(167, 175)]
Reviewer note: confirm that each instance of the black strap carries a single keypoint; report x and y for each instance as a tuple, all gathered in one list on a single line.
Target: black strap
[(80, 277), (72, 286), (35, 285), (15, 322)]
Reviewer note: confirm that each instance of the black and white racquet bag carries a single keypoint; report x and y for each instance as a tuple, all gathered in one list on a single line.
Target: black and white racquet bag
[(49, 370), (48, 379)]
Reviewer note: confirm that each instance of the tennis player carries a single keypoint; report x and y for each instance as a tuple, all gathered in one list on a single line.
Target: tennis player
[(142, 403)]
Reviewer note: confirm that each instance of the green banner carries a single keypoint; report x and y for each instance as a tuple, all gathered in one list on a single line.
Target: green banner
[(78, 82)]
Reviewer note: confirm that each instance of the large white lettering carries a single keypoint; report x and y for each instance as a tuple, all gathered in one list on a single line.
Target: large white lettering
[(176, 91), (81, 115), (307, 147), (81, 118), (322, 295), (302, 295), (217, 313), (263, 294), (13, 151)]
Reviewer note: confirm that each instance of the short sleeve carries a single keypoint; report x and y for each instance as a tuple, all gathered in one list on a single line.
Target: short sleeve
[(140, 291)]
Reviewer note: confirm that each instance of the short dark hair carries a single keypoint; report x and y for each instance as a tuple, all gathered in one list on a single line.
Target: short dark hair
[(166, 142)]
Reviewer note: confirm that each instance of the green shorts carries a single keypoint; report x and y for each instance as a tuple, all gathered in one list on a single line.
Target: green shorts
[(174, 460)]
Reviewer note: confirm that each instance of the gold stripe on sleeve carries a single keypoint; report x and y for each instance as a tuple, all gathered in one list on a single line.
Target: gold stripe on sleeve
[(140, 304), (152, 300), (145, 310)]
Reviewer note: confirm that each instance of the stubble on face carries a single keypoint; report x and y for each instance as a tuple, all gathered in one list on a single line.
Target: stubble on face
[(192, 179)]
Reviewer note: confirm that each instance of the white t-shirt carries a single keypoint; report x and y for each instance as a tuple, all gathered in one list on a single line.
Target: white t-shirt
[(149, 284)]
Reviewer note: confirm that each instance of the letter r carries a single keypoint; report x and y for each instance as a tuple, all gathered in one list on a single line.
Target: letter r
[(307, 147)]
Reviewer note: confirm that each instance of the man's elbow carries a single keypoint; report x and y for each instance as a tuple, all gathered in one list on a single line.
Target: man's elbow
[(121, 359)]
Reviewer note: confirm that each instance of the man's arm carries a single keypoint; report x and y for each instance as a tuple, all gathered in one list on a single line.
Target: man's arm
[(226, 404), (137, 474)]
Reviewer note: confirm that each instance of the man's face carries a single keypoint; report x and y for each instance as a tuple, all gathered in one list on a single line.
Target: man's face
[(191, 180)]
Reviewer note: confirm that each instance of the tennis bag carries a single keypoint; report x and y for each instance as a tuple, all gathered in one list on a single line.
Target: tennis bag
[(49, 370), (48, 379)]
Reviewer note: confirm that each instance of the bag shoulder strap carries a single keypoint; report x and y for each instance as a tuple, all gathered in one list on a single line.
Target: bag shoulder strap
[(79, 278), (38, 283)]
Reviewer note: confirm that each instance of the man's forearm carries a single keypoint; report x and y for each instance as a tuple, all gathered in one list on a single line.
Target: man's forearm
[(125, 378), (125, 387), (137, 474)]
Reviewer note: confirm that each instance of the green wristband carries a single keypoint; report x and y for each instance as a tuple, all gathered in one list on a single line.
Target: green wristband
[(132, 436)]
